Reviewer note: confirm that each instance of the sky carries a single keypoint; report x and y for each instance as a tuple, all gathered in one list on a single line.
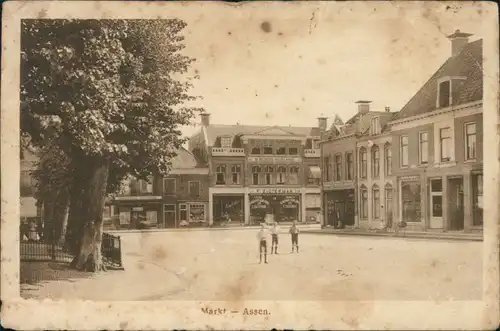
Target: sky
[(289, 64)]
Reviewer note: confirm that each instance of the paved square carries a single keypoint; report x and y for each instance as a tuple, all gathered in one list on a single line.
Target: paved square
[(224, 265)]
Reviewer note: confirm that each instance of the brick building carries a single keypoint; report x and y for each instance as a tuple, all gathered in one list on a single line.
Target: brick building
[(178, 199), (438, 145), (260, 172)]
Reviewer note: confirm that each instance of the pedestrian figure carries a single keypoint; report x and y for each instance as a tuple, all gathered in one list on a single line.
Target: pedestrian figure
[(274, 234), (262, 236), (294, 231)]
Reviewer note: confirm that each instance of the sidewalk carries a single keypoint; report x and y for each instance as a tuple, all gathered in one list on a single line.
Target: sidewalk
[(401, 234), (283, 226)]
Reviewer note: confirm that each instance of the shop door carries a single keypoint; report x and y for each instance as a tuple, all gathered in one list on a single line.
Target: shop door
[(183, 213), (136, 217), (349, 213), (436, 203), (456, 203), (169, 220)]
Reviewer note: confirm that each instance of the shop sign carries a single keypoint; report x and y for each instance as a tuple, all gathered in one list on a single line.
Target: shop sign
[(137, 209), (259, 203), (275, 190), (274, 160), (289, 202)]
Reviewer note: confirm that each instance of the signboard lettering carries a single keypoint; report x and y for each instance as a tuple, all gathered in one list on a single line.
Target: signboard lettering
[(274, 191)]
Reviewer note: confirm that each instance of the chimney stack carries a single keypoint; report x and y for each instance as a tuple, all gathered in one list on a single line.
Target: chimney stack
[(322, 123), (205, 119), (363, 106), (458, 41)]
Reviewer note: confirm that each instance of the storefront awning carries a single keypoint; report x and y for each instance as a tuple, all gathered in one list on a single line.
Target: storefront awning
[(315, 172)]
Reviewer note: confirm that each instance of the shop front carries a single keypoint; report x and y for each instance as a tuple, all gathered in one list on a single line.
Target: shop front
[(411, 202), (313, 207), (278, 205), (339, 207), (228, 208), (134, 216)]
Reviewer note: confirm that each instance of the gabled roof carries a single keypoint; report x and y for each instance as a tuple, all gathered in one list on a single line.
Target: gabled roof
[(358, 124), (186, 160), (219, 130), (467, 63)]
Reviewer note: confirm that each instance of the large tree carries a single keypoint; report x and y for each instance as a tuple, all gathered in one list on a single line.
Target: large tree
[(111, 95)]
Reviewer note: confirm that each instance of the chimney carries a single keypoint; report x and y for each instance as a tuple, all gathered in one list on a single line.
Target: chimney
[(205, 119), (388, 109), (322, 123), (458, 41), (363, 106)]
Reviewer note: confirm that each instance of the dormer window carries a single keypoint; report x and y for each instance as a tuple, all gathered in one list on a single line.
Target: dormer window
[(446, 88), (444, 94), (226, 142), (375, 126)]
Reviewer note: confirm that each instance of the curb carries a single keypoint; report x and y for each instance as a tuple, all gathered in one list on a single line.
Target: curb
[(400, 236), (302, 227)]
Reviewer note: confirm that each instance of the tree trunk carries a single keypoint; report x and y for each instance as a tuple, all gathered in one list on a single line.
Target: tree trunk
[(62, 216), (88, 201)]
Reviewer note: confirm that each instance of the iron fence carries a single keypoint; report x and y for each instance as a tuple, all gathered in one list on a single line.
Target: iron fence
[(35, 247)]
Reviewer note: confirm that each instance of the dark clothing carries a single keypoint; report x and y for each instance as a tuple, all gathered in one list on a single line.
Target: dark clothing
[(263, 247), (275, 239), (295, 239)]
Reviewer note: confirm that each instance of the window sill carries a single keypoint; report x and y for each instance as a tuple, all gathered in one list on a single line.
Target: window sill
[(446, 164), (470, 161)]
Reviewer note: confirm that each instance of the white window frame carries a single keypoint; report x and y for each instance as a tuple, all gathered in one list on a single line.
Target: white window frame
[(256, 173), (189, 188), (449, 146), (362, 174), (375, 126), (337, 173), (235, 170), (446, 79), (376, 207), (280, 175), (349, 171), (420, 161), (226, 141), (218, 170), (295, 175), (387, 165), (164, 186), (373, 149), (364, 203), (466, 147), (268, 175)]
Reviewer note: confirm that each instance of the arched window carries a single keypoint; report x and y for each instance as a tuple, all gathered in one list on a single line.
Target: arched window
[(363, 201), (293, 176), (375, 162), (376, 202), (255, 175), (362, 162), (338, 167), (280, 176), (269, 173), (388, 159), (220, 174)]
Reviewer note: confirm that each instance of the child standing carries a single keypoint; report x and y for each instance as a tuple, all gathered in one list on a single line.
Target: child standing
[(274, 234), (262, 236), (294, 231)]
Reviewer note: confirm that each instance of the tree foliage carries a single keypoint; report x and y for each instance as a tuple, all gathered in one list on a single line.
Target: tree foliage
[(113, 89)]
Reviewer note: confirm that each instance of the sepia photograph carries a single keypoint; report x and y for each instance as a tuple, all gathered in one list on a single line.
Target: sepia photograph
[(233, 162)]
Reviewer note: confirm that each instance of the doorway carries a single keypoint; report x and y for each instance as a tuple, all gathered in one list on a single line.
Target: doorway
[(436, 203), (456, 203), (169, 220)]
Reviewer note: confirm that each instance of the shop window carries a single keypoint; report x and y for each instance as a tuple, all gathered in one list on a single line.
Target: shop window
[(194, 189), (269, 175), (364, 202), (169, 186), (363, 162), (235, 174), (293, 177), (197, 212), (124, 216), (338, 167), (280, 176), (470, 141), (220, 175), (255, 175), (376, 202), (388, 159), (375, 162), (410, 196), (293, 151), (151, 216)]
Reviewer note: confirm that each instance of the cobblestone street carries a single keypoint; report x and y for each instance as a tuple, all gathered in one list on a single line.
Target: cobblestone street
[(223, 265)]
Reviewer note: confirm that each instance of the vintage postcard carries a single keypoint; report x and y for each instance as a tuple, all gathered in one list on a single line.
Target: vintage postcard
[(255, 165)]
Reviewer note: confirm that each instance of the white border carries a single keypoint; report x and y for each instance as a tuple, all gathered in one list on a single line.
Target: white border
[(84, 315)]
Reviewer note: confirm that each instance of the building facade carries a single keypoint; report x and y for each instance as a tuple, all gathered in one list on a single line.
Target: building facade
[(260, 173), (176, 200), (374, 185), (438, 146)]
